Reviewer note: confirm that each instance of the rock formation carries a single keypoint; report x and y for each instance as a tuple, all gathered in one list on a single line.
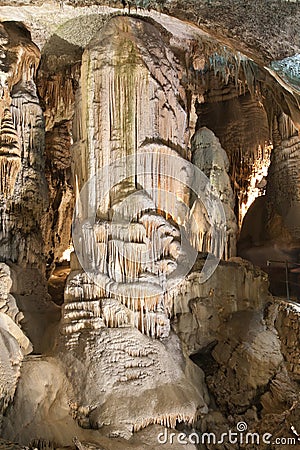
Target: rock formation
[(23, 187), (14, 344), (209, 156)]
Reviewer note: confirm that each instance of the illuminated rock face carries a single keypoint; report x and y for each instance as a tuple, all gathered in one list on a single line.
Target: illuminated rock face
[(283, 195), (23, 193)]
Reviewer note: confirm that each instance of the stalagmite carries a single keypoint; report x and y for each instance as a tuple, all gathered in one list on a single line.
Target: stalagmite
[(209, 156)]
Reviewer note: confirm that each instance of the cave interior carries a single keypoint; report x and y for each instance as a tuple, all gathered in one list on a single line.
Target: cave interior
[(115, 323)]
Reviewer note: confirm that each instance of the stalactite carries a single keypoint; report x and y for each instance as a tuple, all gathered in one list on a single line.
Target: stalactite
[(286, 127), (9, 139), (57, 91), (167, 420), (10, 155), (9, 169)]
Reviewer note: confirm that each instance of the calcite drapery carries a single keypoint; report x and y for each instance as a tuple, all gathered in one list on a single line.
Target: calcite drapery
[(23, 194), (13, 342), (10, 155), (208, 155)]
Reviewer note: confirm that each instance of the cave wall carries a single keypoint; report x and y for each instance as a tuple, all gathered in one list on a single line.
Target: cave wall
[(57, 82), (24, 193)]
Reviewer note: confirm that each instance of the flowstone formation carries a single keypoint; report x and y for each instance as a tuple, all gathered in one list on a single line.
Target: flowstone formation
[(23, 189), (14, 344), (131, 147), (208, 155)]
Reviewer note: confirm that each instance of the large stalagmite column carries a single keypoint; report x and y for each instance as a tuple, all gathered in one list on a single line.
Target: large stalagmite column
[(130, 108), (130, 95), (131, 102)]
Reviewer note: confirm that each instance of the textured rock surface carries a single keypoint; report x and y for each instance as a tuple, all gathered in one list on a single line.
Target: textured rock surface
[(201, 309), (248, 357), (46, 399), (165, 387), (24, 194), (208, 155), (287, 324), (268, 28), (13, 343)]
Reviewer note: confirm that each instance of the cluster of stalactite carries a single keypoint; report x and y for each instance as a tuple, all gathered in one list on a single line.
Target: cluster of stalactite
[(132, 262), (10, 155), (23, 193)]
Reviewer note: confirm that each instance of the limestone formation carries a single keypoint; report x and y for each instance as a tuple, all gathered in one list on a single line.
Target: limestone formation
[(10, 155), (209, 156), (287, 323), (23, 187), (14, 343)]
